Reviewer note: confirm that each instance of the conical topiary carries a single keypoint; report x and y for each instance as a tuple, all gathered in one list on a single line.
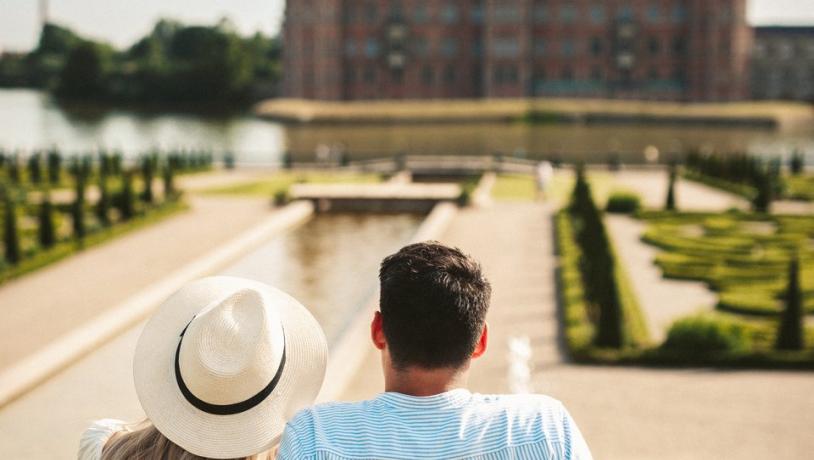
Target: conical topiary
[(790, 334), (45, 229), (11, 235)]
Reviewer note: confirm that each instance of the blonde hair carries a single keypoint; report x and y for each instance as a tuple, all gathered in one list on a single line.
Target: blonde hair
[(142, 441)]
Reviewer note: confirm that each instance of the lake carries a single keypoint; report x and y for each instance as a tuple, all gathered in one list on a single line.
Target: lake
[(31, 119)]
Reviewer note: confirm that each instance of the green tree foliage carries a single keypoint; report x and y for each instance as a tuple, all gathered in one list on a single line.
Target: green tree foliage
[(597, 265), (671, 190), (35, 169), (54, 166), (84, 74), (790, 334), (797, 164), (169, 182), (103, 205), (13, 168), (126, 200), (11, 235), (45, 231), (78, 209), (147, 165), (765, 194)]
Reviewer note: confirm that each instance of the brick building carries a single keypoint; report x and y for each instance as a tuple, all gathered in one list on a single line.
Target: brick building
[(695, 50), (783, 63)]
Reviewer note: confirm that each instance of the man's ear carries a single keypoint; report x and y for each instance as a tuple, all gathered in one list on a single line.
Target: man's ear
[(480, 348), (377, 331)]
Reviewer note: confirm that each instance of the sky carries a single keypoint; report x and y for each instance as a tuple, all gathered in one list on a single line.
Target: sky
[(122, 22)]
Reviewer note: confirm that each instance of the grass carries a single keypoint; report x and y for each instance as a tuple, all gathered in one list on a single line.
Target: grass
[(800, 187), (67, 247), (280, 182), (511, 187)]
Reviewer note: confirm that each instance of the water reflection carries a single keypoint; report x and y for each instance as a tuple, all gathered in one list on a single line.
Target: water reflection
[(331, 263), (30, 119)]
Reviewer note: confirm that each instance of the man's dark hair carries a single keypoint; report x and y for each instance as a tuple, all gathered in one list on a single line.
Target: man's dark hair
[(433, 304)]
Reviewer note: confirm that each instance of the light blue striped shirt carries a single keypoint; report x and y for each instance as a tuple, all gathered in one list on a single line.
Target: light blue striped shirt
[(453, 425)]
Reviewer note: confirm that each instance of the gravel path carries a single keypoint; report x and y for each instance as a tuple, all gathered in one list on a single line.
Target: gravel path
[(661, 300), (691, 196)]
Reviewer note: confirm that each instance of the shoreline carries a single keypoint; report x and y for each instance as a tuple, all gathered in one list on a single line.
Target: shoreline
[(767, 115)]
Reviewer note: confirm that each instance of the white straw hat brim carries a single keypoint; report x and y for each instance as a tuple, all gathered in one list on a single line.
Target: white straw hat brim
[(226, 436)]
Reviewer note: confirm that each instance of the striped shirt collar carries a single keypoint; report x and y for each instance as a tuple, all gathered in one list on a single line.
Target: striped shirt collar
[(450, 399)]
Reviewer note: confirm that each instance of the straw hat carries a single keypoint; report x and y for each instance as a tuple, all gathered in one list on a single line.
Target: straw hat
[(225, 362)]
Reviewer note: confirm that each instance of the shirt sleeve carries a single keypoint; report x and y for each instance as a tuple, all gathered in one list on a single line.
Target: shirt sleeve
[(290, 447), (95, 437), (575, 446)]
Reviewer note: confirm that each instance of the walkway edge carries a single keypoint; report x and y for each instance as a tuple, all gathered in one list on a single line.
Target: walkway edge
[(350, 350), (61, 353)]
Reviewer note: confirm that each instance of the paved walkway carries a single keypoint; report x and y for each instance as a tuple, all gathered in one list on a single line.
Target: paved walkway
[(690, 196), (91, 282), (625, 414)]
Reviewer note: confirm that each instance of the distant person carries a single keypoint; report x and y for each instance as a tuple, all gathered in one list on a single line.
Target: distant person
[(430, 327), (219, 369), (545, 174)]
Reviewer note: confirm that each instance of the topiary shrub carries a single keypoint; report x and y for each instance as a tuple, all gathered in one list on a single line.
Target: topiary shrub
[(707, 334), (623, 203), (281, 198)]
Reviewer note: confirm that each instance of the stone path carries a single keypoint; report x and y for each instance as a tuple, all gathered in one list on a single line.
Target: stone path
[(691, 196), (44, 305), (625, 414), (661, 300)]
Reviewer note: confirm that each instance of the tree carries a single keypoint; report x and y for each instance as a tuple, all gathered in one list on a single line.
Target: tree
[(671, 190), (126, 201), (83, 74), (11, 235), (54, 166), (45, 230), (790, 334), (147, 175), (78, 209), (797, 163), (169, 183), (103, 205), (765, 192), (14, 169), (35, 169)]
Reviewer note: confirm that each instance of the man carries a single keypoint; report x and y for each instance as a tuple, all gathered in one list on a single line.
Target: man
[(431, 325)]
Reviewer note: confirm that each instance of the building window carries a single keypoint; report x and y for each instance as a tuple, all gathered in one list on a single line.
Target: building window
[(625, 13), (421, 47), (350, 47), (477, 12), (449, 75), (568, 48), (371, 47), (505, 47), (450, 13), (397, 76), (596, 73), (596, 46), (597, 14), (350, 76), (567, 73), (420, 13), (371, 13), (477, 47), (653, 14), (679, 14), (653, 74), (427, 75), (449, 47), (540, 13), (654, 46), (679, 46), (507, 14), (370, 75), (568, 14), (539, 46), (506, 75)]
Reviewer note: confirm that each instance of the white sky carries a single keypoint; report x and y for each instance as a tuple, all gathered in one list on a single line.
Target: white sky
[(122, 22)]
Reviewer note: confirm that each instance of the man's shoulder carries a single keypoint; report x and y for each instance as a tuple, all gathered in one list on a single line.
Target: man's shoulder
[(331, 411)]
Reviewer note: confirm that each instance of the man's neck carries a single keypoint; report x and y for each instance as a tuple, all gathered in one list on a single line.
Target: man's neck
[(415, 381)]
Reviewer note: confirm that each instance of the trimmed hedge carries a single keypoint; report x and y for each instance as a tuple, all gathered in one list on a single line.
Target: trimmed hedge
[(623, 203)]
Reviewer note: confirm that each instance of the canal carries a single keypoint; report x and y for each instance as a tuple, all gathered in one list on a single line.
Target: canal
[(31, 119)]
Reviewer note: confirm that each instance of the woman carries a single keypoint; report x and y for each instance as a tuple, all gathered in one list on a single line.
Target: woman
[(219, 369)]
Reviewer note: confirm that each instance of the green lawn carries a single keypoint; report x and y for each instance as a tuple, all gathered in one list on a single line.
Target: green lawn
[(800, 187), (281, 181), (743, 257), (515, 187)]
